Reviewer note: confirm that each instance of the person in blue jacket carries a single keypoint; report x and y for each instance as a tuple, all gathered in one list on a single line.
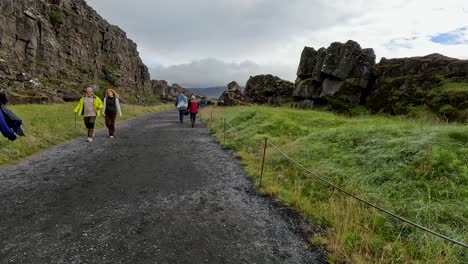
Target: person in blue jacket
[(182, 104), (10, 124)]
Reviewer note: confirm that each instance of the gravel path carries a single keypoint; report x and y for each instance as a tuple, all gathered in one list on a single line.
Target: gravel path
[(161, 192)]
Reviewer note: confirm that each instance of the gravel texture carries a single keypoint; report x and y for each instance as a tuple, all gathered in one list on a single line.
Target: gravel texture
[(160, 192)]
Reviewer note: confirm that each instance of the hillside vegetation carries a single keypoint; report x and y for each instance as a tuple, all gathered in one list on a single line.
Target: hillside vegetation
[(49, 125), (412, 167)]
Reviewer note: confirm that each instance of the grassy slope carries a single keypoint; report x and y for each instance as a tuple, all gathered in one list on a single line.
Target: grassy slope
[(417, 169), (49, 125)]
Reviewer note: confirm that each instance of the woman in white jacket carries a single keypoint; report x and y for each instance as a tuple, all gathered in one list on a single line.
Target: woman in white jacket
[(111, 107)]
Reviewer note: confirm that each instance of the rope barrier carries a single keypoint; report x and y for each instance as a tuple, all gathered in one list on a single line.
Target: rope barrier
[(366, 202), (346, 192)]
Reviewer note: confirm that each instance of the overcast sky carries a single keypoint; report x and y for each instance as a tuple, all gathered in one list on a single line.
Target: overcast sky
[(203, 43)]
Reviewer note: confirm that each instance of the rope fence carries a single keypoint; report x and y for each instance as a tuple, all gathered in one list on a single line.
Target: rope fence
[(340, 189)]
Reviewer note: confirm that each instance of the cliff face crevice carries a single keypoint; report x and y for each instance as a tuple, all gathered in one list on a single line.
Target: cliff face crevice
[(64, 45)]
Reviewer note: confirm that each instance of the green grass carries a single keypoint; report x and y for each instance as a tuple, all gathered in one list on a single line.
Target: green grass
[(455, 86), (415, 168), (49, 125)]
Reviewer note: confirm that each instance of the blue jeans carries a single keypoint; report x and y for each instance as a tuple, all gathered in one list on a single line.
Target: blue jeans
[(181, 115)]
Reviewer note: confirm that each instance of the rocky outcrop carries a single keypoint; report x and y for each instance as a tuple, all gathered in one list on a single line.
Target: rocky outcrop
[(233, 95), (166, 92), (434, 81), (340, 72), (268, 89), (65, 45), (344, 75)]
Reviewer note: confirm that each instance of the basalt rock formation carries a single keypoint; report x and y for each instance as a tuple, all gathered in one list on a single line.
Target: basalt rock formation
[(51, 49), (434, 81), (233, 95), (344, 75), (340, 72), (268, 89), (166, 92)]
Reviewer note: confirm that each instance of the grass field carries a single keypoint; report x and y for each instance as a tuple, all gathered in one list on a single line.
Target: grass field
[(49, 125), (415, 168)]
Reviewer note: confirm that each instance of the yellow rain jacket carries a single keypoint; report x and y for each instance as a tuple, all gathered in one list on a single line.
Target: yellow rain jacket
[(97, 106)]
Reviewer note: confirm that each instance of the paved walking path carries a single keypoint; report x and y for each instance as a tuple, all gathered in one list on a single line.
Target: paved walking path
[(161, 192)]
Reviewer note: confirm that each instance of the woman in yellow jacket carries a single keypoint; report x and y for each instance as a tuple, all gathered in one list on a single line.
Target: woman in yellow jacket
[(89, 107)]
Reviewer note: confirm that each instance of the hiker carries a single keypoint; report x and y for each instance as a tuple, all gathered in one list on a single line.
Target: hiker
[(193, 109), (89, 107), (181, 104), (110, 110), (10, 124)]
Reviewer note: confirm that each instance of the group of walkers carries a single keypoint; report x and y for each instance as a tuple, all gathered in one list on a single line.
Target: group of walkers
[(90, 107), (187, 107)]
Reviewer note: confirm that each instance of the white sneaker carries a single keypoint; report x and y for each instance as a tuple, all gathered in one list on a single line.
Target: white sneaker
[(111, 137), (89, 139)]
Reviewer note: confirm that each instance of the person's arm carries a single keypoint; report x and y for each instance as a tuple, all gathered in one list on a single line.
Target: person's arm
[(176, 101), (5, 129), (119, 110), (79, 106), (104, 107), (98, 106)]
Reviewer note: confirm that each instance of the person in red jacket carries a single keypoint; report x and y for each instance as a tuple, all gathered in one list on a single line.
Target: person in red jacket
[(193, 109)]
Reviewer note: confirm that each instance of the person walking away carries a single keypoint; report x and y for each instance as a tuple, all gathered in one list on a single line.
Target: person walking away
[(10, 124), (181, 104), (89, 107), (193, 109), (110, 110)]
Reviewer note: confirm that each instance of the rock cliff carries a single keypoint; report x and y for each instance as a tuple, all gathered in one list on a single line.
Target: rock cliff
[(50, 49), (344, 75)]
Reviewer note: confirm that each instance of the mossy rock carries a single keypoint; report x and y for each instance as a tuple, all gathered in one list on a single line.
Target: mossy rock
[(458, 116)]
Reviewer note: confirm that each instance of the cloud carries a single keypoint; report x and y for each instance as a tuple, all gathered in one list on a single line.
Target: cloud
[(212, 72), (272, 33)]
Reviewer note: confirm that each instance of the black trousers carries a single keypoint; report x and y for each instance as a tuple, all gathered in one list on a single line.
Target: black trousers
[(89, 123), (110, 123), (193, 116)]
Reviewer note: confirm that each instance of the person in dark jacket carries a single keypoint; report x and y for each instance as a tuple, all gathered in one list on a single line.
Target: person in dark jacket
[(193, 107), (110, 110), (10, 124)]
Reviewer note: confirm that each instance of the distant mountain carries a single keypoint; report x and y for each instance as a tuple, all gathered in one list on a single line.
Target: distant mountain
[(211, 92)]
